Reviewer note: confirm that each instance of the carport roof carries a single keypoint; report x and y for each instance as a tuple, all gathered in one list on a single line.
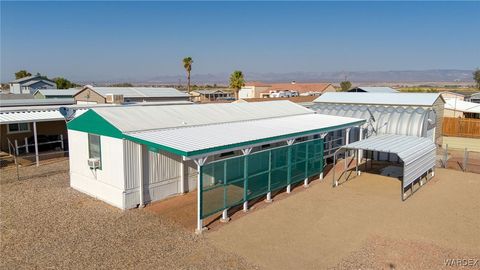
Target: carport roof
[(408, 148), (417, 153), (208, 139)]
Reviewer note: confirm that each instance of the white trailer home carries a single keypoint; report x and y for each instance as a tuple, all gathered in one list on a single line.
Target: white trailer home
[(128, 156)]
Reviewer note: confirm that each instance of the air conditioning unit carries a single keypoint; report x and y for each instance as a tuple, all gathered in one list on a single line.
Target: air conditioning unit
[(94, 163), (114, 99)]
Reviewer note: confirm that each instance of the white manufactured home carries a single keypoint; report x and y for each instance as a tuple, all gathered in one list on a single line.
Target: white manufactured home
[(128, 156)]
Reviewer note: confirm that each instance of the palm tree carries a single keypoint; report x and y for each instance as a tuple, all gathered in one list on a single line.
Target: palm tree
[(187, 64), (237, 81)]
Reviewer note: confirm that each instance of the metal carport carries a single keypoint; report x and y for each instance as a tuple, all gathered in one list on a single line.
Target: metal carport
[(416, 153)]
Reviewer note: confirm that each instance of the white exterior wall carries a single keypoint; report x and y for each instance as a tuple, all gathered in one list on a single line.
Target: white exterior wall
[(247, 92), (161, 171), (107, 183), (15, 88)]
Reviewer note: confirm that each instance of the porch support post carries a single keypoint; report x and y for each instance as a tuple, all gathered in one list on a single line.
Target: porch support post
[(182, 176), (141, 175), (289, 166), (61, 141), (360, 137), (200, 162), (347, 136), (16, 147), (357, 152), (269, 194), (225, 217), (36, 142), (26, 145), (245, 152)]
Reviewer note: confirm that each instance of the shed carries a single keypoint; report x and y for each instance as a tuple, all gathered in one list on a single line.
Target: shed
[(387, 103), (234, 152)]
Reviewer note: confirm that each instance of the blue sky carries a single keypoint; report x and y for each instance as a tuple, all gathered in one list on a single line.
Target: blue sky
[(112, 40)]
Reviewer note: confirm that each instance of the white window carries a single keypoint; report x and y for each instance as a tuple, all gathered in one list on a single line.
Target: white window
[(18, 128), (95, 147)]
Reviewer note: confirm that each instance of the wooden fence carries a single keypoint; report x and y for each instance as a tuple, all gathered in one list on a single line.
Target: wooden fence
[(461, 127)]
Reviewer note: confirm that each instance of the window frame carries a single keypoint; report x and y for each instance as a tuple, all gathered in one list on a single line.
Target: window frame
[(90, 135), (28, 130)]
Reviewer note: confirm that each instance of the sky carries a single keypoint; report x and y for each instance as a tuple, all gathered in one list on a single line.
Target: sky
[(141, 40)]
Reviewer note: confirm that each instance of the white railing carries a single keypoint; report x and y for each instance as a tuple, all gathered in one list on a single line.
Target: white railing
[(26, 144)]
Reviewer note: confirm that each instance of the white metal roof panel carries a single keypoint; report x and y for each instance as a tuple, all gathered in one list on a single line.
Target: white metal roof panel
[(191, 141), (462, 106), (58, 92), (136, 92), (400, 99), (33, 116), (35, 102), (128, 119), (417, 153)]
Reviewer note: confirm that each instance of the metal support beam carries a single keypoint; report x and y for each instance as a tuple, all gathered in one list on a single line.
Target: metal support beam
[(289, 165), (35, 137), (225, 217), (62, 144), (26, 145), (245, 152), (141, 176), (200, 162), (182, 176), (360, 137)]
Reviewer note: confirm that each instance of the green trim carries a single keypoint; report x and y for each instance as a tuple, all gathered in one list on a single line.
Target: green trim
[(92, 122)]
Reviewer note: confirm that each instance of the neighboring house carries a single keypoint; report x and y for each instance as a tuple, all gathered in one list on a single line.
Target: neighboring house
[(373, 89), (99, 95), (210, 95), (297, 89), (460, 108), (475, 98), (23, 120), (28, 85), (452, 95), (305, 101), (390, 113), (253, 90), (55, 93)]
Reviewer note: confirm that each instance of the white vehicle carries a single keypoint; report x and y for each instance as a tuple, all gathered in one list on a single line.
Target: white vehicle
[(283, 93)]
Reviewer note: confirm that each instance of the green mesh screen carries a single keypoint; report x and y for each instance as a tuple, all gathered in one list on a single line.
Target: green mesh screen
[(230, 182)]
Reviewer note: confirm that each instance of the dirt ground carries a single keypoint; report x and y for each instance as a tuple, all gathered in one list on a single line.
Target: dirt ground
[(47, 225), (362, 224)]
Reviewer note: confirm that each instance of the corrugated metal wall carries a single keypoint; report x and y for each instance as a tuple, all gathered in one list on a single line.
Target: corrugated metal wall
[(161, 171), (388, 120)]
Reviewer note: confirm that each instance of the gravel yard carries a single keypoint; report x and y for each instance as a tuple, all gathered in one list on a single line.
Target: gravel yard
[(362, 224), (47, 225)]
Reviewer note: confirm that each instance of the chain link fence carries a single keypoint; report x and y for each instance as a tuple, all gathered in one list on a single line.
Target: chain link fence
[(23, 167), (458, 159)]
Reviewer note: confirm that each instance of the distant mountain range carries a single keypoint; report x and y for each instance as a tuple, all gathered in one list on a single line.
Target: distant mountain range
[(444, 75)]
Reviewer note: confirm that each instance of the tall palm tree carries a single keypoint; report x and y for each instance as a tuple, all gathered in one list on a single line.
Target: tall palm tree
[(237, 81), (187, 64)]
